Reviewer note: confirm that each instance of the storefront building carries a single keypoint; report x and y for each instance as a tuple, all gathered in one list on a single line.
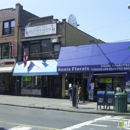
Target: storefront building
[(38, 78), (105, 65), (10, 21), (41, 40)]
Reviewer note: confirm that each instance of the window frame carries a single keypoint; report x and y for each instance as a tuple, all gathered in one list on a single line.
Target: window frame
[(9, 28)]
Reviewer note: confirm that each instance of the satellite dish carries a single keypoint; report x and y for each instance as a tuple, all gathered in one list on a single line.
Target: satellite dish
[(72, 20)]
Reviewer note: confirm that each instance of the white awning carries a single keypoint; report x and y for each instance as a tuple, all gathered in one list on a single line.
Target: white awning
[(36, 67), (6, 69)]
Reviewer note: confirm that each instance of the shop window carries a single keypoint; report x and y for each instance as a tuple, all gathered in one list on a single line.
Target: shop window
[(5, 51), (119, 82), (35, 51), (47, 48), (8, 27), (45, 44), (31, 85), (56, 47), (26, 49)]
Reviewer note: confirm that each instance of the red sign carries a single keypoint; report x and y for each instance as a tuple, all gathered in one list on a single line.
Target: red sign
[(14, 49), (6, 63)]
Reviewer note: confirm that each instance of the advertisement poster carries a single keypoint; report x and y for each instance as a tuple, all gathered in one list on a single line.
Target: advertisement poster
[(92, 85), (90, 96)]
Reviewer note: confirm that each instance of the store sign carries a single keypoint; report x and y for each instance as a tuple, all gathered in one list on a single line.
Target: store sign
[(26, 78), (73, 69), (14, 49), (108, 80), (40, 30), (95, 68), (6, 63)]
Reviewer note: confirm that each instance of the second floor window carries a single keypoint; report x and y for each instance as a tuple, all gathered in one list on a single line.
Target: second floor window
[(56, 47), (8, 27)]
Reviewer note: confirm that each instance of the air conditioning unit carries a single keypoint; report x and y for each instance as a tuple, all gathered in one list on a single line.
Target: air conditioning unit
[(85, 75), (54, 40), (10, 43)]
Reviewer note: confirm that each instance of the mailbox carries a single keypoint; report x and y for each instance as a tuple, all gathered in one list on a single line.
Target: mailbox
[(110, 99), (101, 99)]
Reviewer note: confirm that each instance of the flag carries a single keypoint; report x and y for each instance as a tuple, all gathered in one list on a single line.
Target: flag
[(25, 58), (89, 81), (50, 52)]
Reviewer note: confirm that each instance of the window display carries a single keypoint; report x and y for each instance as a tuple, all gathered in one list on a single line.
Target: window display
[(31, 85), (119, 82)]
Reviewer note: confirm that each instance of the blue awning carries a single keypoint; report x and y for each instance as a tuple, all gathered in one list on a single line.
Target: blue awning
[(35, 68), (87, 58)]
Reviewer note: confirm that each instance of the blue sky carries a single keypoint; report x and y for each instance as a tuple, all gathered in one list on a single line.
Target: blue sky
[(108, 20)]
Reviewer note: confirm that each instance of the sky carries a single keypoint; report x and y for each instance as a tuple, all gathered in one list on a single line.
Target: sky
[(108, 20)]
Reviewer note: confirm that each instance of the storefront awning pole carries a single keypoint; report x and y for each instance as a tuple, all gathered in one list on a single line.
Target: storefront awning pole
[(104, 54)]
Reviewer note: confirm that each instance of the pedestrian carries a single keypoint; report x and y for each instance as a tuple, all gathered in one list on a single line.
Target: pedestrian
[(80, 94), (70, 91), (118, 89)]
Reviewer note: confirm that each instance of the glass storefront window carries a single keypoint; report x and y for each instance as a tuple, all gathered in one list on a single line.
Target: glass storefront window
[(31, 85), (57, 86), (119, 82), (5, 83)]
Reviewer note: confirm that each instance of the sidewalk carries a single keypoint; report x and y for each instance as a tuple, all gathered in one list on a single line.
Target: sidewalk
[(56, 104)]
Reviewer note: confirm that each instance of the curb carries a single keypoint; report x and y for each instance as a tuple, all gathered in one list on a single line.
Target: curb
[(76, 111)]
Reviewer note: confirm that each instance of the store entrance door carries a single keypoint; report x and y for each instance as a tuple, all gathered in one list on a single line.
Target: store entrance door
[(85, 89), (45, 86)]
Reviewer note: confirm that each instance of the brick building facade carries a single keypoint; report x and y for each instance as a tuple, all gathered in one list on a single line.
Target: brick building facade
[(11, 19)]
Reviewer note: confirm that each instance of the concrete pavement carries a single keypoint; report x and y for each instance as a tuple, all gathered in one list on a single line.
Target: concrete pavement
[(57, 104)]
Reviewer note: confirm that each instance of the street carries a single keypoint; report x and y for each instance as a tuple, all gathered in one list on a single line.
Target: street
[(21, 118)]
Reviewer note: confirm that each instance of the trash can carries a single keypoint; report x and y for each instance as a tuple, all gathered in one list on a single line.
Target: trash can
[(101, 99), (121, 102), (110, 99)]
